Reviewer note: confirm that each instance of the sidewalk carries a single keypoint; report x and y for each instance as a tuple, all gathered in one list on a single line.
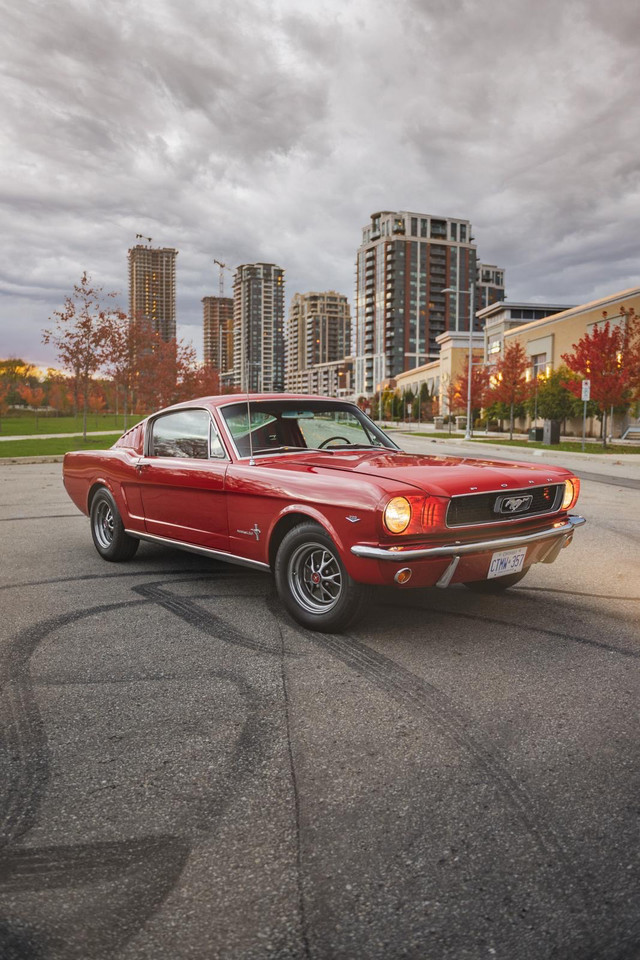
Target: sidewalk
[(58, 436)]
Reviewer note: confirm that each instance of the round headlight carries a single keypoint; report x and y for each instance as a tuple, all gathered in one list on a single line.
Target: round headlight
[(571, 491), (397, 515)]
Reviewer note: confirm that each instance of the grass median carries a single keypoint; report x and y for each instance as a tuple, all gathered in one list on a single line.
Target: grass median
[(23, 423), (9, 449)]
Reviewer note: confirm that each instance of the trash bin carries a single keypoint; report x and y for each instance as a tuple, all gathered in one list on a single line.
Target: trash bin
[(551, 431), (537, 434), (438, 423)]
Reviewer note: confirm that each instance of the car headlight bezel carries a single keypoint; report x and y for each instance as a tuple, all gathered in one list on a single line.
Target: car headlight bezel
[(397, 515), (571, 492)]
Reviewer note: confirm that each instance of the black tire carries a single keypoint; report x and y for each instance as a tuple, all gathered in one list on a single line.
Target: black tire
[(312, 581), (107, 529), (498, 584)]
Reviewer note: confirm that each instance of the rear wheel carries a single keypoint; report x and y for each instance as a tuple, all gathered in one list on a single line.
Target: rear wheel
[(313, 583), (107, 529), (497, 584)]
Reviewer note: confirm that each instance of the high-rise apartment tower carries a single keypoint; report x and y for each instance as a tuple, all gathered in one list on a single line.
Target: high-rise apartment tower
[(318, 331), (152, 287), (258, 328), (489, 285), (217, 322), (414, 274)]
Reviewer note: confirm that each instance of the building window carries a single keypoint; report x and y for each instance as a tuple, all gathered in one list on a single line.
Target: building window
[(539, 364)]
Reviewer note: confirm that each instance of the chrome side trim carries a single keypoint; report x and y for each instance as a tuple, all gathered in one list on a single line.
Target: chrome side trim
[(460, 549), (203, 551)]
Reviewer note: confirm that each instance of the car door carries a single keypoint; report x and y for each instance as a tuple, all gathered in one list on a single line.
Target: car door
[(182, 479)]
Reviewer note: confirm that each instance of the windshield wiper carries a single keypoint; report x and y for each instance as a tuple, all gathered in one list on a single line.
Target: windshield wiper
[(278, 449)]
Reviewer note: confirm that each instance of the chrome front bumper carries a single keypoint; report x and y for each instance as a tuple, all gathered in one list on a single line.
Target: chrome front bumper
[(562, 528)]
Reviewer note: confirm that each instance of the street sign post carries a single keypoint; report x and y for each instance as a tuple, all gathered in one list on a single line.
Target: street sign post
[(586, 396)]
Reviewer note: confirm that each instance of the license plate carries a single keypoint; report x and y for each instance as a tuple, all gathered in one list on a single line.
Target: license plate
[(506, 561)]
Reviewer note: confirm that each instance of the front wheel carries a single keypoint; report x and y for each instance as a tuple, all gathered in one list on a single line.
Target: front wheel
[(312, 581), (497, 584), (107, 529)]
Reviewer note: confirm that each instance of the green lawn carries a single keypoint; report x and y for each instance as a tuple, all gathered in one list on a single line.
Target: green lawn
[(24, 423), (56, 445), (567, 446)]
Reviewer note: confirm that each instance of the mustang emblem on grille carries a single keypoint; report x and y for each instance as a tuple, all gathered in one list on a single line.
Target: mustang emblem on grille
[(513, 504)]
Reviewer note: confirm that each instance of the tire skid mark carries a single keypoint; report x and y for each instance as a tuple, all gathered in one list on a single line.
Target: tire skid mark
[(160, 859), (76, 864), (22, 725), (419, 694), (142, 872), (304, 926), (516, 625), (127, 574), (43, 516), (199, 617)]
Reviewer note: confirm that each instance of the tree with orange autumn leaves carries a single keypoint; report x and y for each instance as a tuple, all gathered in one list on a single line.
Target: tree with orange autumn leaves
[(609, 357), (32, 396), (91, 335), (479, 384), (80, 334), (507, 383)]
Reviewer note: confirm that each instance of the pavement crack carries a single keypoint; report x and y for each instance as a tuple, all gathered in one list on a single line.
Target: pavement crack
[(304, 930)]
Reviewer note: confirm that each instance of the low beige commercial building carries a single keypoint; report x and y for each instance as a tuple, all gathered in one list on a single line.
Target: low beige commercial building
[(544, 339)]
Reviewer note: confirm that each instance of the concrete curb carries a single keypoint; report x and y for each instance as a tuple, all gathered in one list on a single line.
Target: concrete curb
[(52, 458)]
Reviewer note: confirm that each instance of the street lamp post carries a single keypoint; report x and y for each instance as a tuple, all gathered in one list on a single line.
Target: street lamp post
[(470, 291)]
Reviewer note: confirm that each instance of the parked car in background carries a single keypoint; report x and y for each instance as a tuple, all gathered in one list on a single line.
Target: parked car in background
[(312, 490)]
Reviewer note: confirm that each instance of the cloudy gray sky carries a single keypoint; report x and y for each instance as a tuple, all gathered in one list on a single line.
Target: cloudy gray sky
[(269, 130)]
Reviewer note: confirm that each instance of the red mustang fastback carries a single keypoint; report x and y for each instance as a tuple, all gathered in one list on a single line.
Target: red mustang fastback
[(312, 489)]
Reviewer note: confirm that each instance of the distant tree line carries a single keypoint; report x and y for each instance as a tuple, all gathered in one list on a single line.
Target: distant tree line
[(109, 362)]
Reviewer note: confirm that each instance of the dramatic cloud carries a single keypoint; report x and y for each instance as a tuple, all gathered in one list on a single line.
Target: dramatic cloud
[(272, 129)]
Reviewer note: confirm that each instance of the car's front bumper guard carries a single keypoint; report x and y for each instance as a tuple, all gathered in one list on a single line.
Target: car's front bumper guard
[(561, 532)]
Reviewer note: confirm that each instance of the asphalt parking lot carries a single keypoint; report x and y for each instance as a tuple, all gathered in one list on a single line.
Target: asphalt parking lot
[(186, 773)]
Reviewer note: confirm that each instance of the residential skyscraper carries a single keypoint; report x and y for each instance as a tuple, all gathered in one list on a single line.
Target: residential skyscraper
[(217, 322), (489, 286), (152, 287), (318, 332), (409, 267), (258, 328)]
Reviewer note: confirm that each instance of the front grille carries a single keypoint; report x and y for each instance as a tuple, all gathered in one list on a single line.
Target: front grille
[(480, 507)]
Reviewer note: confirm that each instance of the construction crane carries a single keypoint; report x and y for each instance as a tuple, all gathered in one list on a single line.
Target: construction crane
[(139, 236), (223, 267)]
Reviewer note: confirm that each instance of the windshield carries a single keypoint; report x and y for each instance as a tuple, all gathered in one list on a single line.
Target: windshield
[(278, 425)]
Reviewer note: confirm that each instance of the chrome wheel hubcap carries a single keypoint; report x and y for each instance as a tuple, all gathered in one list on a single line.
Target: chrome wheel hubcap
[(103, 524), (314, 577)]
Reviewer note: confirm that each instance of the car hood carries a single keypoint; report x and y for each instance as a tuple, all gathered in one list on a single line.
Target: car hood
[(440, 476)]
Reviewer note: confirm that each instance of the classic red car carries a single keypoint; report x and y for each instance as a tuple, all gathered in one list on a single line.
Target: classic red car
[(312, 489)]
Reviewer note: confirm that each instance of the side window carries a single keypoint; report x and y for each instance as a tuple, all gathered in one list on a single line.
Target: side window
[(181, 434), (217, 450)]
